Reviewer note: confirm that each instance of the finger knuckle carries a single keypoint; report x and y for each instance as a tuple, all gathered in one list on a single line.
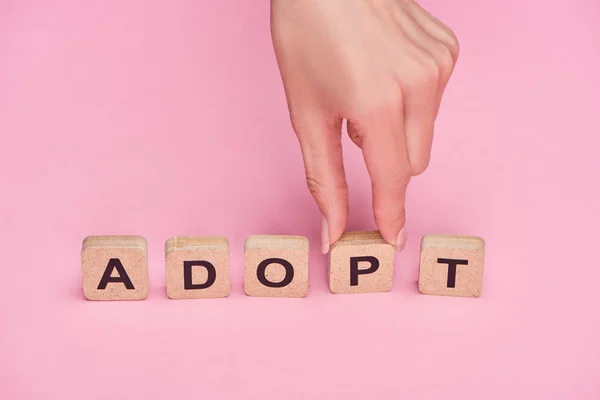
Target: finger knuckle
[(398, 181), (315, 186), (319, 189), (453, 43), (445, 60), (394, 217), (424, 75), (430, 70), (449, 38), (369, 108)]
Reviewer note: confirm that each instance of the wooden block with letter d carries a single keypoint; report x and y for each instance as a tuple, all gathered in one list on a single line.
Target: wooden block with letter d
[(276, 266), (197, 267), (451, 265), (361, 262), (114, 268)]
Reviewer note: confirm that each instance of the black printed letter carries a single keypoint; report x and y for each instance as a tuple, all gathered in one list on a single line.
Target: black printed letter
[(262, 267), (452, 269), (354, 271), (115, 263), (187, 275)]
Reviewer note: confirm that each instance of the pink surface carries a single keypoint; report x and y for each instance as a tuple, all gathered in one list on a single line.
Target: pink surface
[(168, 118)]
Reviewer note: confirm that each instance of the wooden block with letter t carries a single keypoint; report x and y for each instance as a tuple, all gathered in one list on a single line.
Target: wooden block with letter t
[(197, 267), (276, 266), (451, 265), (114, 268), (361, 262)]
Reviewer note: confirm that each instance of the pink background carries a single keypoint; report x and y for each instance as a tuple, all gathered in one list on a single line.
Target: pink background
[(168, 118)]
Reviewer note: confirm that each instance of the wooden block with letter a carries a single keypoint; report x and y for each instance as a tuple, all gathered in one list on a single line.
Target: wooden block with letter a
[(114, 268)]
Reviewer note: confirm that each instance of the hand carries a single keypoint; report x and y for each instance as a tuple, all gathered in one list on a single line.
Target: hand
[(383, 66)]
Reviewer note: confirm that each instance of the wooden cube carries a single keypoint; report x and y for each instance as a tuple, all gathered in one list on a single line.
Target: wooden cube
[(361, 262), (197, 267), (276, 266), (114, 268), (451, 265)]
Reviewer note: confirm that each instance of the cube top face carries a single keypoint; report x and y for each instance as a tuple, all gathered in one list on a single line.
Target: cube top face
[(451, 265), (361, 262), (454, 241), (359, 238), (284, 242), (179, 243), (276, 266), (138, 242), (197, 267), (114, 268)]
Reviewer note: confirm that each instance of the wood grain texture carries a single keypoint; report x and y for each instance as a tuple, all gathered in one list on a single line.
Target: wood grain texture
[(196, 252), (288, 277), (100, 253), (437, 275), (361, 249)]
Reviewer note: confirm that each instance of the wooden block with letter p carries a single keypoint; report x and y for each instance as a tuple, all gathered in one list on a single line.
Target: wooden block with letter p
[(451, 265), (197, 267), (361, 262), (276, 266), (114, 268)]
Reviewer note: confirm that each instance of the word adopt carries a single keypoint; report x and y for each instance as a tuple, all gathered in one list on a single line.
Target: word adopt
[(116, 267)]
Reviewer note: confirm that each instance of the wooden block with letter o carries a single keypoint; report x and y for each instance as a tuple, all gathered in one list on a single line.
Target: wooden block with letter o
[(114, 268), (276, 266), (451, 265), (361, 262), (197, 267)]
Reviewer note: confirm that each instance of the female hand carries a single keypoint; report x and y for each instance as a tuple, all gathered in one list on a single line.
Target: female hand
[(383, 66)]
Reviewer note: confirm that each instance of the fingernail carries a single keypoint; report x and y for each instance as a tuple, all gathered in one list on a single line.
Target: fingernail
[(324, 236), (401, 241)]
